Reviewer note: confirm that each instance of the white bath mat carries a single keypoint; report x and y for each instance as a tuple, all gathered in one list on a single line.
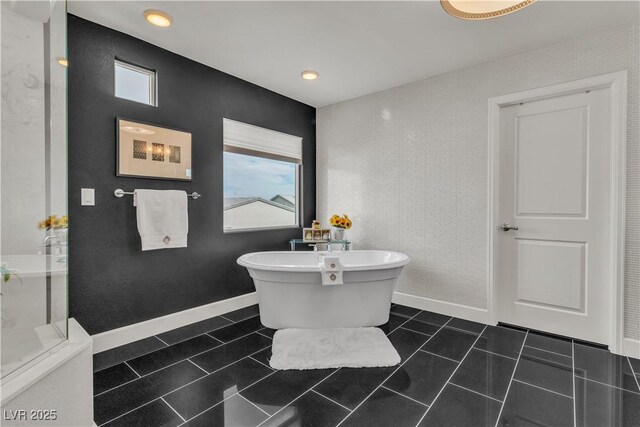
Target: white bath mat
[(332, 348)]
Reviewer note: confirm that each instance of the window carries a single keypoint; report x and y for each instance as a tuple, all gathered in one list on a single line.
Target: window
[(135, 83), (262, 171)]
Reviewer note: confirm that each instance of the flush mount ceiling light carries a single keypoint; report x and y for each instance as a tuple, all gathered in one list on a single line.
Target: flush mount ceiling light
[(310, 74), (158, 17), (62, 61), (482, 9)]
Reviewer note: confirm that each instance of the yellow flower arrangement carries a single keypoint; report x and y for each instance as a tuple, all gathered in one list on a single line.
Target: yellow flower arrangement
[(341, 221), (54, 222)]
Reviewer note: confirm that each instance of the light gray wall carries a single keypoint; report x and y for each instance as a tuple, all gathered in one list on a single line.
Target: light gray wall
[(409, 164), (23, 145)]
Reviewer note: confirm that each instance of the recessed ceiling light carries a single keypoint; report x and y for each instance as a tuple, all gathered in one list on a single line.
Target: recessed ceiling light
[(62, 61), (158, 17), (309, 74), (483, 9)]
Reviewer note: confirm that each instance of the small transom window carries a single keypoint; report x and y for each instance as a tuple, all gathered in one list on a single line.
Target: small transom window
[(135, 83)]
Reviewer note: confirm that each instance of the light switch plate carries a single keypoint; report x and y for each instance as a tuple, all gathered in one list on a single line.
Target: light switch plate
[(88, 196)]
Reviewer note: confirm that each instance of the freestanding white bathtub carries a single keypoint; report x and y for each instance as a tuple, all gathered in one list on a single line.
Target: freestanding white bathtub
[(291, 294)]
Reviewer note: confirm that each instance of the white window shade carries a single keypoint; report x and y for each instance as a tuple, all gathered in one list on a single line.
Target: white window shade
[(252, 140)]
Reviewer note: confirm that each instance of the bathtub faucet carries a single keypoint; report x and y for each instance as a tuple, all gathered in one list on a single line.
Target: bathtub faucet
[(51, 245), (47, 241)]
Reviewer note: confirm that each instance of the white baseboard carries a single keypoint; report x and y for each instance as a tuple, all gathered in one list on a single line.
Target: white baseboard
[(127, 334), (631, 348), (443, 307)]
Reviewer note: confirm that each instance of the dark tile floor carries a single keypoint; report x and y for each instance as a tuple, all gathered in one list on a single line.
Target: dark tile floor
[(453, 373)]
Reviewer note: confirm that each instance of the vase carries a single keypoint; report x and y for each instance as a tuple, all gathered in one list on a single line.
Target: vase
[(338, 233), (62, 234)]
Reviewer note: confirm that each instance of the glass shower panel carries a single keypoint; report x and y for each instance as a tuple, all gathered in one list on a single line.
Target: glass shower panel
[(33, 181)]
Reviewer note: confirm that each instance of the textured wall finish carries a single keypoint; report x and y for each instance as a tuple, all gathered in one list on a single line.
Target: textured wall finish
[(111, 282), (410, 164)]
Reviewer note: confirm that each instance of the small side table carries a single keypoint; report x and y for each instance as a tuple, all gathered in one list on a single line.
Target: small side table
[(345, 244)]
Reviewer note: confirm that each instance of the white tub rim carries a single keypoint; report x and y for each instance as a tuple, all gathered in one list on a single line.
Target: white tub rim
[(245, 261)]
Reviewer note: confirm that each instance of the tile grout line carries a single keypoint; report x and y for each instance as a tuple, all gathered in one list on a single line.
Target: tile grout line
[(395, 370), (495, 354), (476, 392), (175, 363), (153, 351), (247, 318), (630, 364), (128, 412), (229, 397), (257, 361), (327, 377), (331, 400), (451, 376), (573, 378), (152, 372), (199, 335), (466, 330), (197, 366), (297, 397), (450, 318), (266, 336), (232, 321), (256, 406), (542, 388), (134, 371), (191, 382), (412, 330), (404, 315), (404, 395), (513, 374), (609, 385), (217, 370), (633, 372), (173, 409), (406, 321), (443, 357), (162, 341), (552, 352)]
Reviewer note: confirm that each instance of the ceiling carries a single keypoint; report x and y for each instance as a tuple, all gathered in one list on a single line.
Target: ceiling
[(357, 47)]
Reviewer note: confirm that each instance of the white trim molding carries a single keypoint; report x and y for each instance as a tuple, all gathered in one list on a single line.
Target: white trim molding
[(631, 348), (443, 307), (130, 333), (617, 82)]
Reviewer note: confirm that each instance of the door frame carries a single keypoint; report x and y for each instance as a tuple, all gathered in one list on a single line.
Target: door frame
[(617, 82)]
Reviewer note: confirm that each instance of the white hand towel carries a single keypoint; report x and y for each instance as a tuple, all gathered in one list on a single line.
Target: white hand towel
[(331, 271), (163, 220)]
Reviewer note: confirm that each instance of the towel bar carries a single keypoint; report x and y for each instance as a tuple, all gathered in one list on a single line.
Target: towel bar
[(120, 192)]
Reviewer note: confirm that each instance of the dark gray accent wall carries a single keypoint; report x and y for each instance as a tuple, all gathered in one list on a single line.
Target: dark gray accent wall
[(112, 282)]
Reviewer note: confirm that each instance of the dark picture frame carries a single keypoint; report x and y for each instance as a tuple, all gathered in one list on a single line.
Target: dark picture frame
[(151, 151)]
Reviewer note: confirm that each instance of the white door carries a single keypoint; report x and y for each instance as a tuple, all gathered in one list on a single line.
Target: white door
[(552, 273)]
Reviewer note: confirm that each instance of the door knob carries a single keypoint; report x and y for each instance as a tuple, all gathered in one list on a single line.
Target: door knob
[(506, 227)]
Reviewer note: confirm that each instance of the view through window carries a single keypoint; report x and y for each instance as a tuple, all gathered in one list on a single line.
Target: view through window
[(261, 177), (259, 192)]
